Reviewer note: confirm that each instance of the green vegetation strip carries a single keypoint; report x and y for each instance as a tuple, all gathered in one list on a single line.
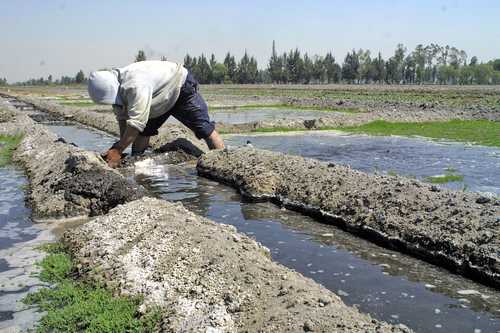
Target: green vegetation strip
[(7, 145), (77, 306), (284, 107), (482, 132), (443, 179)]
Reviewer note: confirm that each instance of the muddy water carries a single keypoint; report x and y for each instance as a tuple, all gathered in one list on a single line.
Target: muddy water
[(420, 158), (386, 284)]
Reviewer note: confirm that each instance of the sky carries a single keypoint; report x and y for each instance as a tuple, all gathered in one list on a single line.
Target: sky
[(42, 37)]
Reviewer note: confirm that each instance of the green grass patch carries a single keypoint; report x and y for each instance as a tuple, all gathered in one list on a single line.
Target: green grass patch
[(285, 107), (76, 306), (7, 145), (482, 132), (443, 179)]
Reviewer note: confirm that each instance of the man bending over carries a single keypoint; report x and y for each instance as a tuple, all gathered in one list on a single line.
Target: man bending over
[(144, 94)]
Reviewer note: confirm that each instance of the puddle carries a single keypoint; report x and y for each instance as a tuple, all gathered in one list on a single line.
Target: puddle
[(18, 238), (79, 135), (388, 285), (15, 222), (411, 157)]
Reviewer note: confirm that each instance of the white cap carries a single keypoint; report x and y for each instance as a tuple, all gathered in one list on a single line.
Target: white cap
[(103, 87)]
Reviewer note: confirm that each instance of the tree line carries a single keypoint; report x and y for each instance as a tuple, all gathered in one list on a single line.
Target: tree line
[(64, 80), (426, 64), (431, 64)]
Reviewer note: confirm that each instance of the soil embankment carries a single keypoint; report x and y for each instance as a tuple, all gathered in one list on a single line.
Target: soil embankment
[(205, 275), (65, 181), (457, 230)]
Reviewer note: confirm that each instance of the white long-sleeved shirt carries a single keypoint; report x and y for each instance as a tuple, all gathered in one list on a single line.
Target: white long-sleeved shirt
[(148, 89)]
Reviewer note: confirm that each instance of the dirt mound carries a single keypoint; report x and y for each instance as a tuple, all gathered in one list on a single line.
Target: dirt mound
[(205, 276), (66, 181), (457, 230)]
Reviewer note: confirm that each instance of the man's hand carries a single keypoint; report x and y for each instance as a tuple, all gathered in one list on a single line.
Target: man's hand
[(113, 157)]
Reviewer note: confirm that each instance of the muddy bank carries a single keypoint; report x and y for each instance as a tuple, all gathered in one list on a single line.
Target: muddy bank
[(65, 181), (184, 139), (206, 276), (457, 230), (339, 119), (399, 111)]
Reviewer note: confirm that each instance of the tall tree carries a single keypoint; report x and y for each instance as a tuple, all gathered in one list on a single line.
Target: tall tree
[(366, 71), (496, 64), (275, 65), (141, 56), (350, 67), (308, 69), (294, 66), (219, 72), (203, 72), (80, 77), (231, 68), (319, 70), (333, 72), (378, 65), (243, 69)]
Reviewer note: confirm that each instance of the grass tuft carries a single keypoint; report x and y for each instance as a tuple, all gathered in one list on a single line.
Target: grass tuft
[(443, 179), (76, 306), (7, 145)]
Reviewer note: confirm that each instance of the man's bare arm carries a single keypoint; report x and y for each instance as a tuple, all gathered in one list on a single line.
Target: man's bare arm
[(129, 135), (123, 126)]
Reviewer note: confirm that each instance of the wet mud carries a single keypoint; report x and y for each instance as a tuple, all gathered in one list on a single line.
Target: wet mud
[(399, 111), (391, 155), (457, 230), (65, 181), (205, 275)]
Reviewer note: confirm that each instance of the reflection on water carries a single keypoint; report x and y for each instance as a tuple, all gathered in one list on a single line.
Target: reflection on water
[(15, 222), (419, 158), (386, 284), (18, 237), (79, 135)]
